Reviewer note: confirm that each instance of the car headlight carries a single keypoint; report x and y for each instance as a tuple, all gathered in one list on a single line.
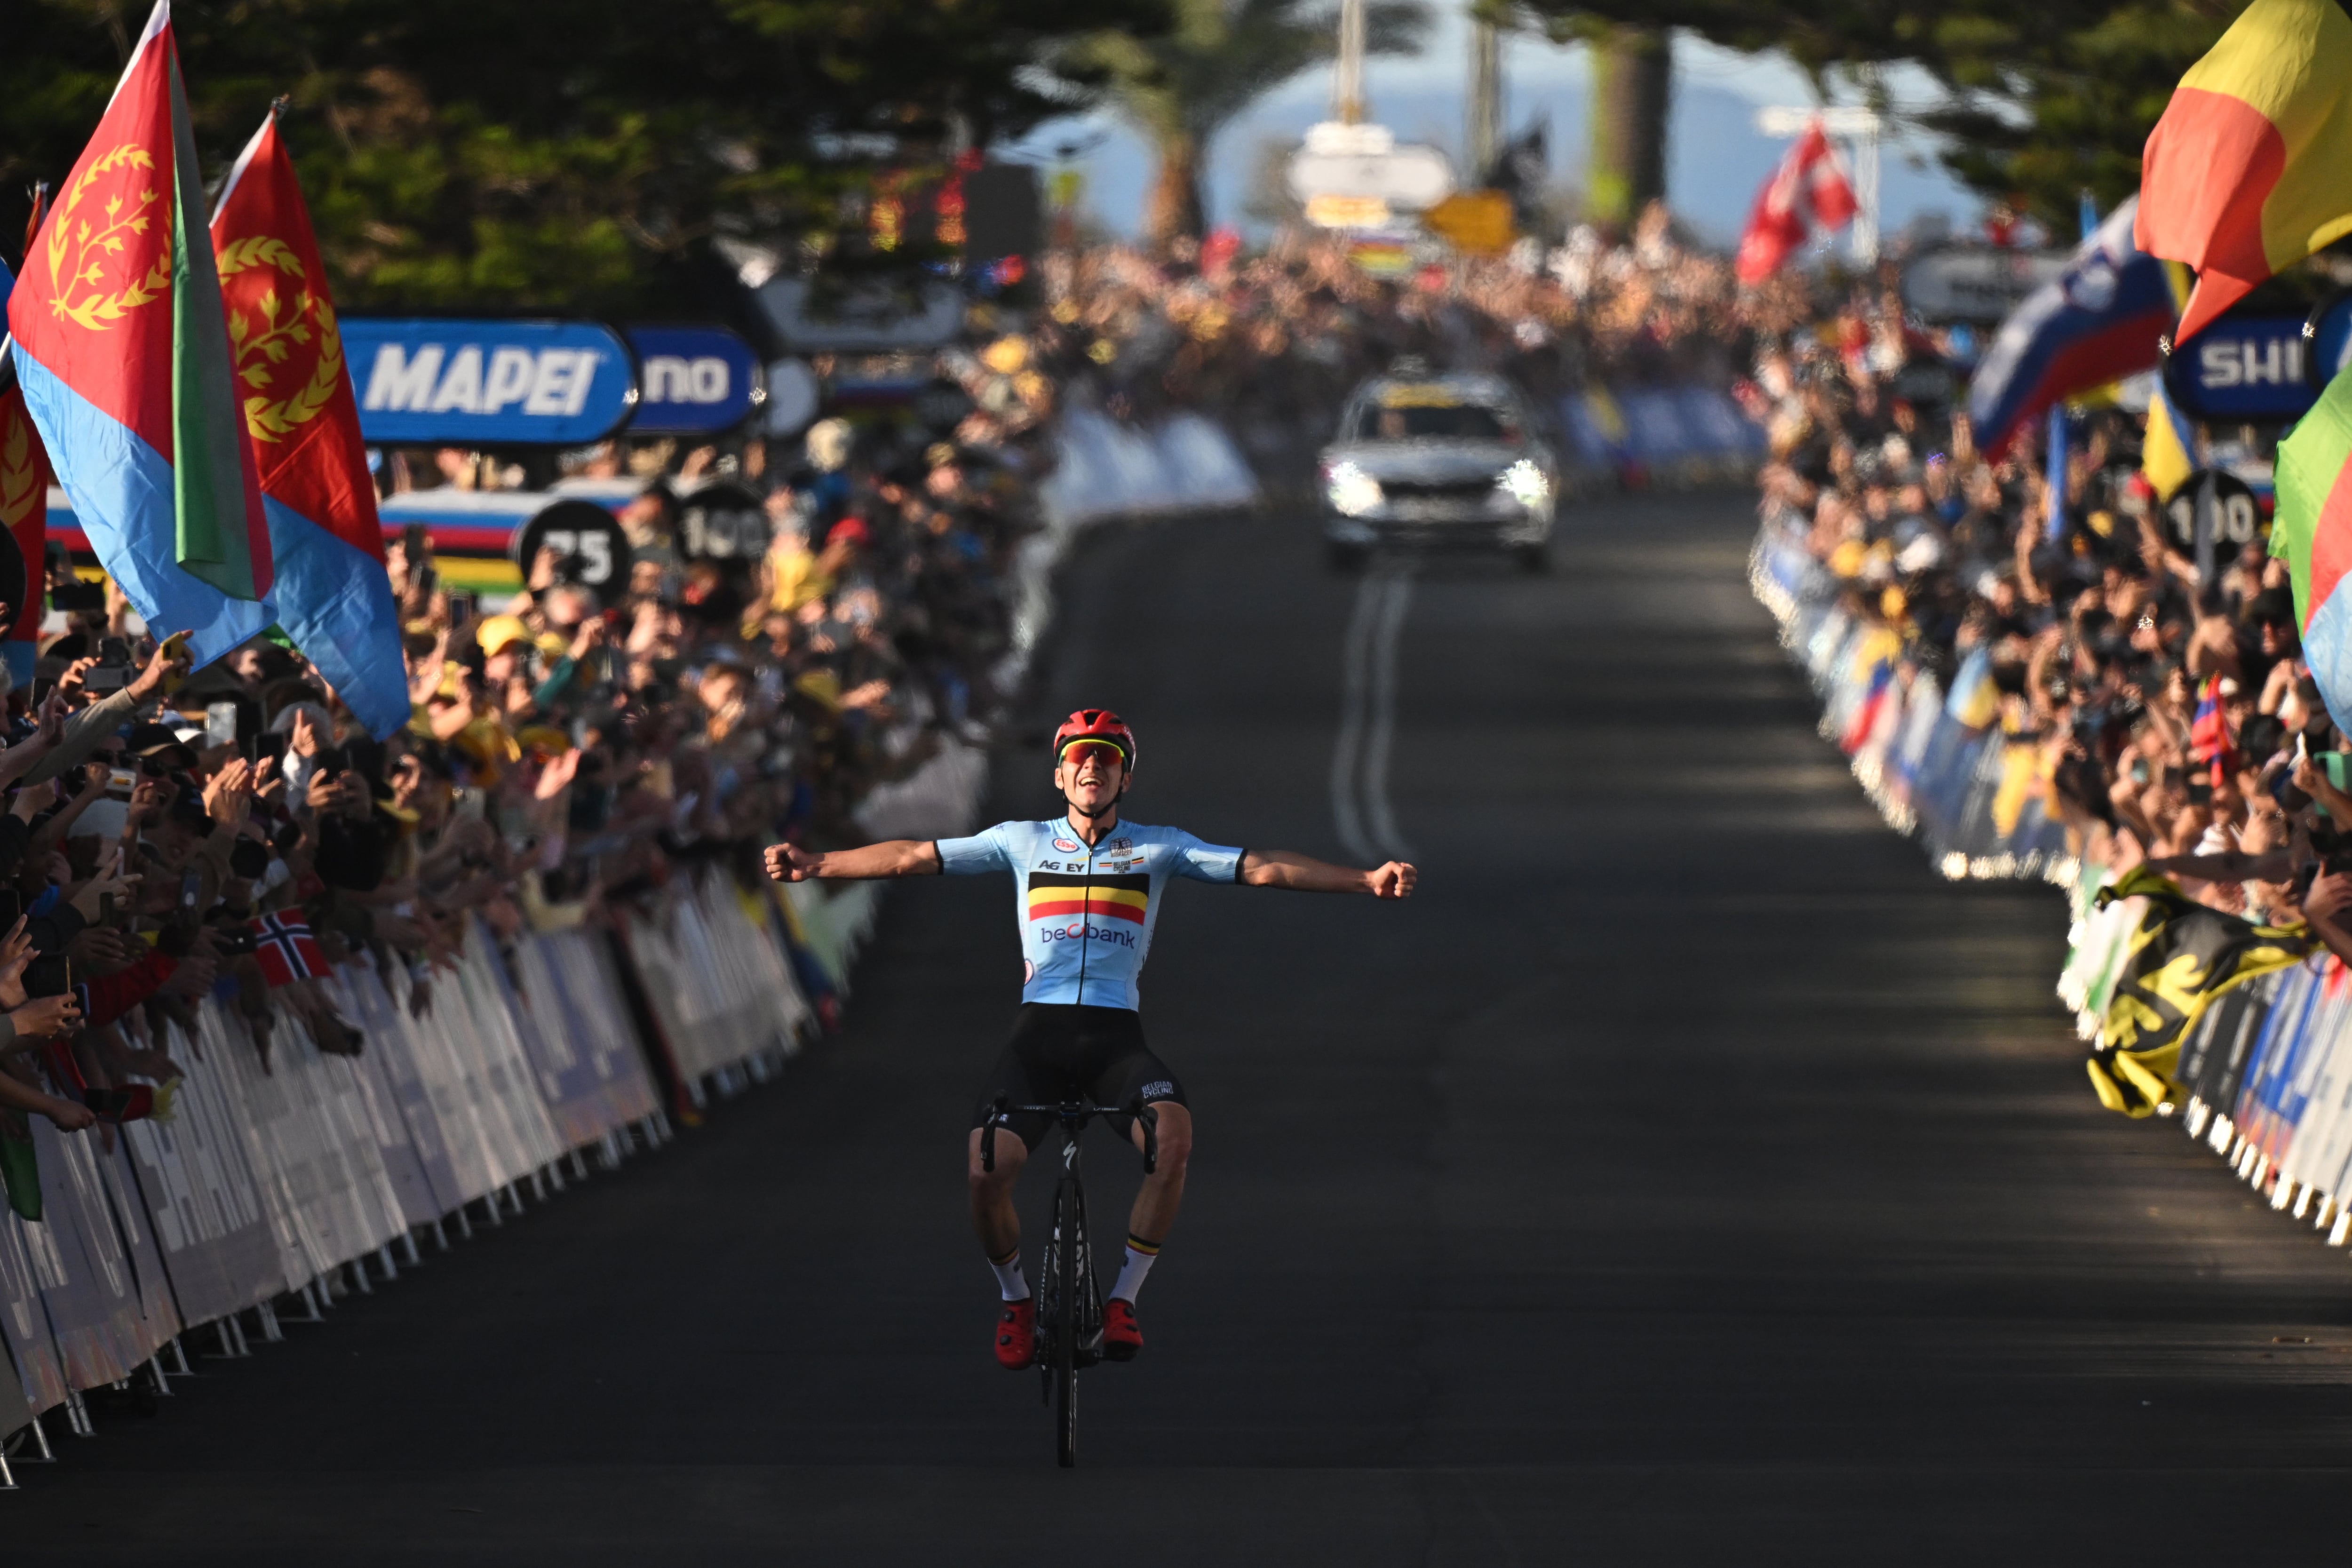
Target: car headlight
[(1351, 491), (1525, 483)]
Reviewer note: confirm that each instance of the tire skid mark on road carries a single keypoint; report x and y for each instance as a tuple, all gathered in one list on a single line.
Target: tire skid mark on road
[(1360, 760)]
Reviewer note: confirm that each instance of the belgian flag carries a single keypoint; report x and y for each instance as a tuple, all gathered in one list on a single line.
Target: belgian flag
[(2179, 958)]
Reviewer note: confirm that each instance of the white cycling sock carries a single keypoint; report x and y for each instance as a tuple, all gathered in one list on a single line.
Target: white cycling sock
[(1010, 1281), (1140, 1255)]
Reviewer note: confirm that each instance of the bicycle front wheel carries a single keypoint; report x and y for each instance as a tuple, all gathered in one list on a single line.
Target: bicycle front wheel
[(1069, 1230)]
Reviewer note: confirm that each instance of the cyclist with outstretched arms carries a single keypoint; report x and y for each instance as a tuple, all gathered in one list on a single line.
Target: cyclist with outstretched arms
[(1088, 888)]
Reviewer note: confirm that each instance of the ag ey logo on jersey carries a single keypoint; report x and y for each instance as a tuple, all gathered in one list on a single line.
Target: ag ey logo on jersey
[(1066, 846)]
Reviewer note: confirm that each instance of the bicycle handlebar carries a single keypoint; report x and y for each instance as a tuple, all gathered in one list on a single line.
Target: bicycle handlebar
[(1075, 1115)]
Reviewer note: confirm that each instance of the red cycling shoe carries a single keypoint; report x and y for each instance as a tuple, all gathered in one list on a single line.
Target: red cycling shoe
[(1121, 1338), (1016, 1335)]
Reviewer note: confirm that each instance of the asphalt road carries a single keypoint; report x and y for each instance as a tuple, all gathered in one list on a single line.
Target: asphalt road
[(1685, 1175)]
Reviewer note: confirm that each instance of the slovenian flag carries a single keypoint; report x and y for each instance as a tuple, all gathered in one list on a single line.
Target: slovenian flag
[(2314, 533), (123, 354), (2244, 174), (334, 597), (2099, 320)]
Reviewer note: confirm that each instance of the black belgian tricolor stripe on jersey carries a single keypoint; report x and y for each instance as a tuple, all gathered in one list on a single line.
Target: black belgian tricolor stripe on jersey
[(1121, 898)]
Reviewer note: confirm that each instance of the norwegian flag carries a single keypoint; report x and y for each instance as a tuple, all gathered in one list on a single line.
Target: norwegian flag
[(1809, 187), (287, 949)]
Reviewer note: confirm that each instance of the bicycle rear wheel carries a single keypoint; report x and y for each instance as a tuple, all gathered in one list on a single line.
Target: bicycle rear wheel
[(1069, 1231)]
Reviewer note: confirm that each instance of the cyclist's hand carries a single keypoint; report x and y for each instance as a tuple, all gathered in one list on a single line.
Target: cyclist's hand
[(1393, 881), (791, 863)]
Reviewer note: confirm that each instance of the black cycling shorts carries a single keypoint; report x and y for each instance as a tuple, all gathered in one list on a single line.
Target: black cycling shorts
[(1062, 1051)]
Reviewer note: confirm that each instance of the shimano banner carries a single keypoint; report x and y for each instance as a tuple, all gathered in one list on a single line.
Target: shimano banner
[(695, 380), (489, 383)]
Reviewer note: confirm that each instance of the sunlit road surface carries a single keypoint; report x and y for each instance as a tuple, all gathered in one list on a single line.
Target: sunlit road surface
[(1685, 1175)]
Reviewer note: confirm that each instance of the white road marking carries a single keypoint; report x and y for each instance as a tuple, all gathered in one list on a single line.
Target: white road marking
[(1359, 761)]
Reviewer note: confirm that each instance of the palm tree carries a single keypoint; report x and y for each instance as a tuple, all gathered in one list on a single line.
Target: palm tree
[(1181, 87)]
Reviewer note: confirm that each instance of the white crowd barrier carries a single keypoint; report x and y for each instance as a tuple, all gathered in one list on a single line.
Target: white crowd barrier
[(298, 1177), (1104, 469)]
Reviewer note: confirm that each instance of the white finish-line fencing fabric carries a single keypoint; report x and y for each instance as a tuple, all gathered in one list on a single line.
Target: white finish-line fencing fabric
[(266, 1180)]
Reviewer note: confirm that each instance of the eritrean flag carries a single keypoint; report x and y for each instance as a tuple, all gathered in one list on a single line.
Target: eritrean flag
[(2314, 532), (2250, 170), (334, 597), (123, 353), (1120, 898)]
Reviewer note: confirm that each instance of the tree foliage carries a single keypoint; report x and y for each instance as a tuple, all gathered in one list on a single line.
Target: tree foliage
[(555, 153), (2043, 99)]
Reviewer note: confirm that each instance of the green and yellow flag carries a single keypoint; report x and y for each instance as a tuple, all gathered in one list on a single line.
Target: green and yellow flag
[(2178, 960)]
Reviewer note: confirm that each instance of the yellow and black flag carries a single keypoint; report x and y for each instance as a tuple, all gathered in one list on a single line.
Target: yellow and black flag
[(2179, 959)]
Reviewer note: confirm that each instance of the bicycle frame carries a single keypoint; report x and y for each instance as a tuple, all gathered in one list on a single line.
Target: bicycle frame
[(1069, 1301)]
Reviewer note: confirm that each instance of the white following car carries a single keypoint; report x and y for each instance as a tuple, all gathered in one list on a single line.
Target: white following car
[(1427, 461)]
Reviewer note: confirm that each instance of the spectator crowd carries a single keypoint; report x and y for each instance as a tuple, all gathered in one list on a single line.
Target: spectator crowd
[(2166, 706), (172, 835)]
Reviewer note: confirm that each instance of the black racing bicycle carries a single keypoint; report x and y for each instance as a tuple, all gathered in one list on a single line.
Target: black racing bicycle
[(1069, 1296)]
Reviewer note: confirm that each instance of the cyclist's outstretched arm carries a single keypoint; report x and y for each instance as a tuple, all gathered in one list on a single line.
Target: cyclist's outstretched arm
[(892, 857), (1303, 873)]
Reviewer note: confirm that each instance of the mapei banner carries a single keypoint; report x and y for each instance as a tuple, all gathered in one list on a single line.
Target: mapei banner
[(695, 380), (489, 383)]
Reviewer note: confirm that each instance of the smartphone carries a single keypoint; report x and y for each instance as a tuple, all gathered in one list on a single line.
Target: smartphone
[(271, 744), (191, 885), (220, 724), (67, 597), (461, 606), (105, 677)]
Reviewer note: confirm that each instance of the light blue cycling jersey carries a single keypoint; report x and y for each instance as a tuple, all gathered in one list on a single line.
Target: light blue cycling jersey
[(1086, 914)]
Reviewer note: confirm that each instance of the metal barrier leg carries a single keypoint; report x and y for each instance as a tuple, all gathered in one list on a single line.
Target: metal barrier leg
[(155, 1370), (237, 1332), (554, 1174), (77, 1415), (408, 1241), (383, 1256), (47, 1456), (490, 1205), (180, 1356), (538, 1190), (580, 1164), (358, 1269), (611, 1151), (8, 1480), (311, 1300), (268, 1315)]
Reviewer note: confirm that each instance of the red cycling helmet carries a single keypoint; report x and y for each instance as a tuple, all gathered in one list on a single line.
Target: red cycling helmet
[(1096, 724)]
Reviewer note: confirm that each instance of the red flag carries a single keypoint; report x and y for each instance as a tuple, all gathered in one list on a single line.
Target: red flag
[(1809, 187), (25, 499), (25, 512)]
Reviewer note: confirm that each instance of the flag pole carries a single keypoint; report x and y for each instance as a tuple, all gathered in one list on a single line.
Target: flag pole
[(2055, 525)]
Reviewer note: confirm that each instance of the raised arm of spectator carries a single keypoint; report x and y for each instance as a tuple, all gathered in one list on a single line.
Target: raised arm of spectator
[(87, 730)]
